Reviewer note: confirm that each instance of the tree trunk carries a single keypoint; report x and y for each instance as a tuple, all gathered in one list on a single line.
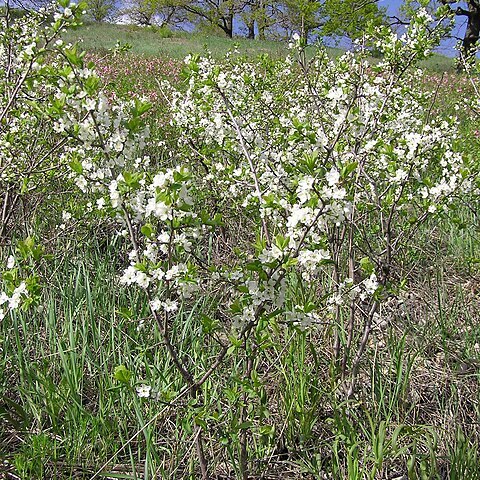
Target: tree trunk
[(251, 30), (227, 24), (261, 17), (261, 31), (230, 25), (472, 33)]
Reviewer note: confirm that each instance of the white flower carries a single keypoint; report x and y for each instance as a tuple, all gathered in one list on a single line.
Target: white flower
[(10, 262), (142, 279), (170, 305), (299, 215), (371, 284), (268, 256), (304, 188), (143, 391), (336, 94), (21, 289), (159, 180), (400, 175), (29, 49), (175, 271), (253, 287), (159, 209), (155, 304), (14, 301), (4, 298), (129, 275), (332, 177), (81, 183), (158, 274)]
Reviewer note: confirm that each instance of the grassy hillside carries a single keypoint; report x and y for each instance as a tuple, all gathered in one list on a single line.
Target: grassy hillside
[(152, 41)]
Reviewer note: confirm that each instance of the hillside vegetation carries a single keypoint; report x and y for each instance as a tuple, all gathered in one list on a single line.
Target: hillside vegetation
[(163, 42)]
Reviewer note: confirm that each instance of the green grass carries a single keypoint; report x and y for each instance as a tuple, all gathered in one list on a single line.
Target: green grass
[(152, 42), (439, 64), (64, 414)]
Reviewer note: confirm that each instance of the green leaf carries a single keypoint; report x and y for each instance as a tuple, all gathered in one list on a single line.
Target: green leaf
[(209, 325), (125, 313), (73, 56), (282, 242), (24, 188), (348, 169), (290, 262), (122, 374), (141, 267), (255, 266), (245, 425), (147, 230), (141, 107), (367, 266), (76, 166)]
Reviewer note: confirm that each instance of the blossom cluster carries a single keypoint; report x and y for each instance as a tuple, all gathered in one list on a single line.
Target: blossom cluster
[(316, 158), (315, 150), (13, 300)]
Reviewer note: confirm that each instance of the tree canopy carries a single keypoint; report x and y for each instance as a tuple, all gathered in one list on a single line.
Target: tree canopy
[(254, 18)]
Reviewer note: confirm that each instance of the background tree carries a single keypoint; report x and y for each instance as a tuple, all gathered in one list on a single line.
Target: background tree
[(328, 17), (101, 10), (472, 32), (351, 17), (302, 16), (158, 12), (141, 12), (220, 13), (260, 14), (277, 18)]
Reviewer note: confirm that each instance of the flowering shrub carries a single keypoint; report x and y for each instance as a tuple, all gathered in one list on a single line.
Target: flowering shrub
[(37, 82), (288, 199), (20, 282), (330, 166), (337, 164), (17, 293)]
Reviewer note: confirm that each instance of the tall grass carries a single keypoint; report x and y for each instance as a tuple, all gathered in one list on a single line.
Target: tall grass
[(64, 414)]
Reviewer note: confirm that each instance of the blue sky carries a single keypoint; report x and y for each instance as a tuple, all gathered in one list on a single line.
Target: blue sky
[(447, 47), (392, 5)]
